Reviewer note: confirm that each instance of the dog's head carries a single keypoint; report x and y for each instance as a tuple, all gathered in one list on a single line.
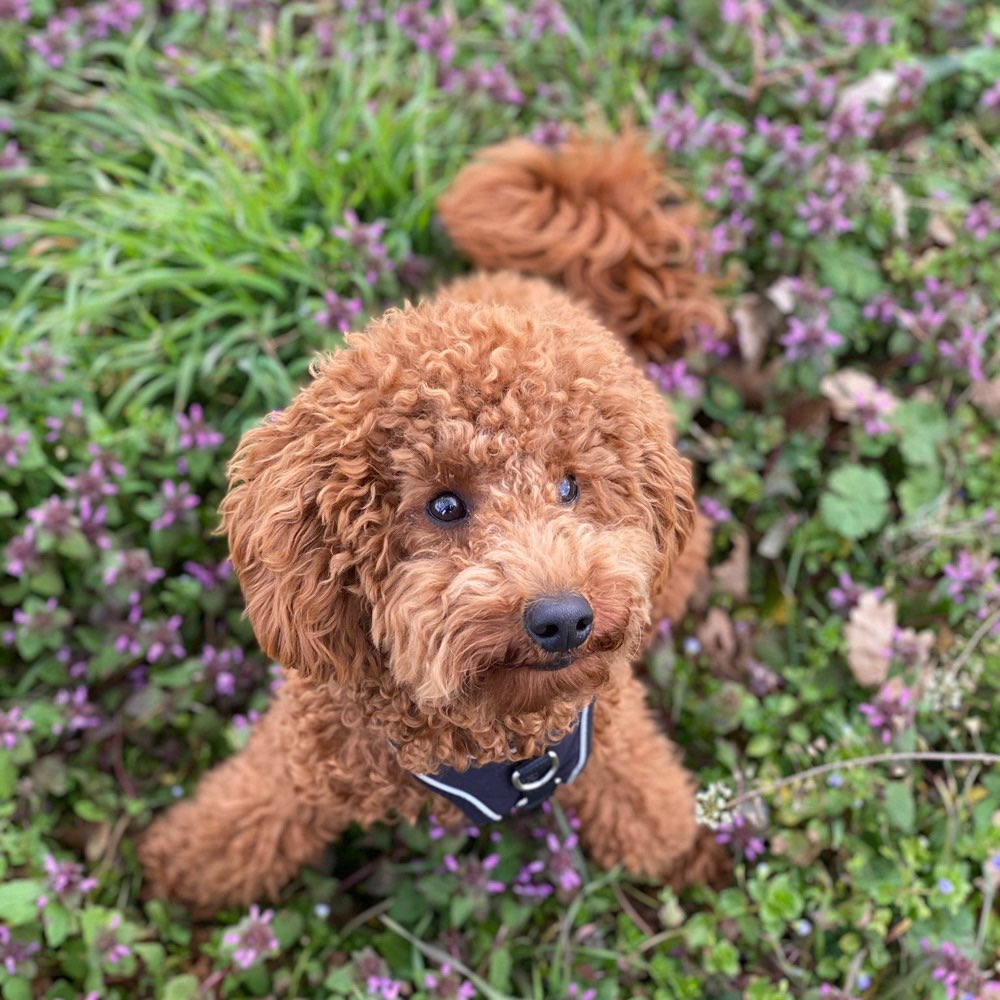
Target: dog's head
[(477, 502)]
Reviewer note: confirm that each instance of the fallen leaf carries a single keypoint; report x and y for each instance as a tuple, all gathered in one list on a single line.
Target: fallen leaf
[(849, 389), (754, 318), (986, 395), (732, 576), (718, 640), (782, 294), (899, 210), (875, 89), (940, 231), (869, 632)]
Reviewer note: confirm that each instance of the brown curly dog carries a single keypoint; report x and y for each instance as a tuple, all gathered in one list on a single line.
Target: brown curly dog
[(453, 538)]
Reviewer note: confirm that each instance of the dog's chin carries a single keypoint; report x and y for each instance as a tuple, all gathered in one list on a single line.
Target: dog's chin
[(534, 686)]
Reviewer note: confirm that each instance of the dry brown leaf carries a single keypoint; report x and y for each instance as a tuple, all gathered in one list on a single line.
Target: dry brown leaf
[(782, 294), (875, 89), (986, 395), (940, 231), (848, 388), (753, 316), (899, 209), (732, 576), (718, 639), (869, 632)]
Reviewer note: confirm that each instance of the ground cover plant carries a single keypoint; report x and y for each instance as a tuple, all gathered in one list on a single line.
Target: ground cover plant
[(197, 197)]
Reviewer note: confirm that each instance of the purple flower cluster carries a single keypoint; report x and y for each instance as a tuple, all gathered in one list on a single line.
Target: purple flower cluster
[(744, 840), (495, 81), (860, 29), (13, 443), (673, 377), (366, 240), (79, 712), (983, 219), (955, 971), (176, 500), (13, 953), (12, 727), (967, 352), (196, 434), (476, 874), (811, 338), (252, 939), (221, 667), (338, 312), (972, 577), (543, 17), (446, 984), (825, 216), (744, 13), (939, 302), (431, 34), (891, 713), (66, 882)]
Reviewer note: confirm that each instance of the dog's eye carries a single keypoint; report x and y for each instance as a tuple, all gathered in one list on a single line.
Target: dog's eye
[(447, 507), (569, 491)]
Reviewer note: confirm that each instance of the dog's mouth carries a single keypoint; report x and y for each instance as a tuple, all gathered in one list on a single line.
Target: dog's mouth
[(561, 664)]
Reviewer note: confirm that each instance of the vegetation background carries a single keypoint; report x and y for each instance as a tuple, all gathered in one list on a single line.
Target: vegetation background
[(196, 196)]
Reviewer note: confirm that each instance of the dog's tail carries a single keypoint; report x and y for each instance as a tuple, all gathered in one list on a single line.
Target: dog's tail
[(598, 215)]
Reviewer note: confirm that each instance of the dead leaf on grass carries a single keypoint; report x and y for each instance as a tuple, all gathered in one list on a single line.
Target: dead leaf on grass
[(732, 576), (869, 632)]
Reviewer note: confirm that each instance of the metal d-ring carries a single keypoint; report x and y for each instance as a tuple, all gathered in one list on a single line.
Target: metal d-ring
[(530, 786)]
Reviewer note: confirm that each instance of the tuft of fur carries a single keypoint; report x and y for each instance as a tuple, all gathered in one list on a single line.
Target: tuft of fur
[(599, 216), (403, 639)]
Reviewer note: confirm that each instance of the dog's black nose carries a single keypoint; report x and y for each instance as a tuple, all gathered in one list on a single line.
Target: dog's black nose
[(559, 624)]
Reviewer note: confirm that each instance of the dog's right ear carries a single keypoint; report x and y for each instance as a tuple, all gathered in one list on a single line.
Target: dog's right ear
[(299, 486)]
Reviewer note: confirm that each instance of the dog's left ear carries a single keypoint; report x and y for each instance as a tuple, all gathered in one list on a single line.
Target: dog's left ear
[(301, 493), (667, 483)]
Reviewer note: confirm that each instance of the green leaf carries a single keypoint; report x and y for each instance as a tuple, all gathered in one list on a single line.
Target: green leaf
[(182, 988), (19, 901), (920, 488), (851, 271), (856, 501), (58, 924), (500, 966), (899, 806), (922, 428), (8, 775)]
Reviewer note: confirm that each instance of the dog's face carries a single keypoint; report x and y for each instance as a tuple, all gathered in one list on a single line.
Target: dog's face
[(476, 501)]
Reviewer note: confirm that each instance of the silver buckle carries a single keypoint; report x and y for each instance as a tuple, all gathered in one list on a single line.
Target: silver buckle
[(515, 778)]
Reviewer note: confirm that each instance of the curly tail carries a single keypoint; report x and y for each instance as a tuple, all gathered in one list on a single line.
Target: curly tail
[(599, 216)]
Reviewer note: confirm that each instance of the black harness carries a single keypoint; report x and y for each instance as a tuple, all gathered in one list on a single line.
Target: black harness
[(491, 791)]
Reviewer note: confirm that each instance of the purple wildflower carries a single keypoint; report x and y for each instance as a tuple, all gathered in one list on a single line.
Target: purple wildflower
[(165, 640), (127, 635), (882, 309), (825, 216), (366, 11), (811, 338), (939, 301), (11, 157), (743, 12), (14, 954), (338, 313), (92, 483), (436, 830), (196, 435), (430, 34), (13, 444), (107, 944), (971, 576), (722, 136), (674, 124), (714, 511), (80, 712), (222, 667), (674, 377), (60, 38), (956, 972), (12, 726), (967, 352), (845, 595), (93, 518), (843, 177), (787, 139), (21, 553), (871, 408), (495, 81), (112, 17), (525, 885), (15, 10), (208, 576), (859, 29), (448, 985), (366, 239), (561, 865), (910, 81), (175, 502), (983, 219), (744, 840), (134, 569), (891, 713), (728, 181), (575, 992), (40, 618), (989, 99), (660, 40), (54, 517), (72, 426), (818, 90), (475, 874), (66, 880), (853, 122), (543, 17), (111, 465), (252, 939), (41, 364), (550, 133)]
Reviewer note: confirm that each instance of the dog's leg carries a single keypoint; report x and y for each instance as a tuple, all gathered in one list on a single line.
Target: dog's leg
[(253, 821), (636, 802)]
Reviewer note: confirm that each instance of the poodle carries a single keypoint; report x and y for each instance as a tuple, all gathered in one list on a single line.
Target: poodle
[(454, 540)]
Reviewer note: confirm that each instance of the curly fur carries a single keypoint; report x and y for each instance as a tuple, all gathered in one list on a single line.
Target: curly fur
[(402, 638), (601, 218)]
